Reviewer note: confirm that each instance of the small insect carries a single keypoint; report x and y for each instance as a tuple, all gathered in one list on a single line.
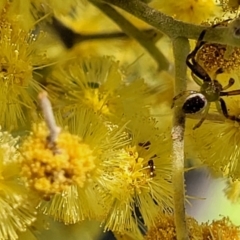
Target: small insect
[(211, 90), (152, 167)]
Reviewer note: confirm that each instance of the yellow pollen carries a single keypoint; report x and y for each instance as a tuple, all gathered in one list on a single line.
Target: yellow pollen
[(50, 172)]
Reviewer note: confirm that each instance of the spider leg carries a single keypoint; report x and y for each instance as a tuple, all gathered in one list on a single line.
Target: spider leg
[(204, 116), (195, 67), (196, 79), (225, 111), (181, 94), (199, 44), (230, 83), (230, 93), (198, 70)]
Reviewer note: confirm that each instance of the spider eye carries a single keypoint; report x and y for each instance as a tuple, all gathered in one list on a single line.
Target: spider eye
[(194, 103)]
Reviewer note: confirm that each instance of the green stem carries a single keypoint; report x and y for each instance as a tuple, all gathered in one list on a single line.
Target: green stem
[(70, 38), (135, 33), (152, 35), (180, 50), (172, 27)]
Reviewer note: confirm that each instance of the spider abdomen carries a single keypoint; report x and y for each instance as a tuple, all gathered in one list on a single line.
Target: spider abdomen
[(194, 103), (214, 56)]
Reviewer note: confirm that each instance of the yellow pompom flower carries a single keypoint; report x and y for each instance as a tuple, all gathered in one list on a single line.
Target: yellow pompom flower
[(67, 175), (51, 169), (136, 178), (164, 228), (85, 84), (18, 57), (222, 229), (58, 172), (83, 202), (218, 143), (17, 212), (191, 11), (98, 84)]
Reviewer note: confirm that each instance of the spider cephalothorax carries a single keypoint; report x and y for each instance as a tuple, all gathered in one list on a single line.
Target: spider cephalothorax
[(211, 90)]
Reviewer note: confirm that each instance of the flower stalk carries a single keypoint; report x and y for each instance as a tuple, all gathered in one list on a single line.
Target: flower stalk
[(135, 33), (180, 50), (172, 27), (70, 38)]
